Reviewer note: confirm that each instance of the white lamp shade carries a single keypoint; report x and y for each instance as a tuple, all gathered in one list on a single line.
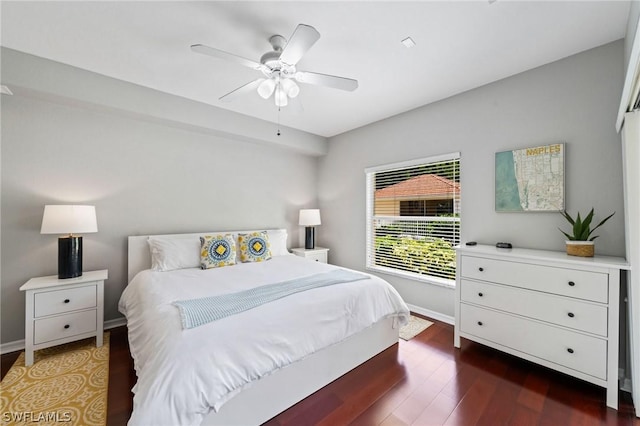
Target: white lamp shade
[(281, 97), (290, 87), (309, 217), (266, 88), (69, 219)]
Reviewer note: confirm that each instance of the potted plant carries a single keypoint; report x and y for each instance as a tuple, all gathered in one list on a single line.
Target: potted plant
[(580, 242)]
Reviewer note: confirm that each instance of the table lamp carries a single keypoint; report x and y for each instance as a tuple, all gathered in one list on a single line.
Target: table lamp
[(309, 218), (69, 219)]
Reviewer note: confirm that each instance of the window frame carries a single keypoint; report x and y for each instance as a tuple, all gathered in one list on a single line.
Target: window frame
[(370, 205)]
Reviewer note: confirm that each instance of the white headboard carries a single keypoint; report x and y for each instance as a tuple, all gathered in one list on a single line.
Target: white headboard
[(139, 256)]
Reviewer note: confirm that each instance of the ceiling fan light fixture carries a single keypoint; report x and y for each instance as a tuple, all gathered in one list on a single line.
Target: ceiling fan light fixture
[(281, 97), (266, 88), (290, 87)]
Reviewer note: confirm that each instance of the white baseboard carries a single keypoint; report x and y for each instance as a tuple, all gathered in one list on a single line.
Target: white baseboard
[(18, 345), (118, 322), (432, 314), (9, 347)]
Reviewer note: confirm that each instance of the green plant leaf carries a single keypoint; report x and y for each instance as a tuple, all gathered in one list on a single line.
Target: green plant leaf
[(587, 220), (577, 227), (602, 222), (569, 237), (585, 234), (566, 216)]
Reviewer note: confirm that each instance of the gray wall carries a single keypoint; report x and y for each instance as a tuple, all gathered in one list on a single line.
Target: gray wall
[(144, 176), (574, 100), (147, 174)]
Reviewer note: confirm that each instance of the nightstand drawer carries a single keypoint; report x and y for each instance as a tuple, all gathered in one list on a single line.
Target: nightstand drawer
[(66, 300), (560, 346), (567, 282), (63, 326), (318, 256), (572, 313)]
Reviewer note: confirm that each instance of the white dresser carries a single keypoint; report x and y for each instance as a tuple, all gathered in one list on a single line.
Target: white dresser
[(63, 310), (547, 307)]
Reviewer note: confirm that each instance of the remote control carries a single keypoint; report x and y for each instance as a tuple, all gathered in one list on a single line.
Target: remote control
[(471, 243), (503, 245)]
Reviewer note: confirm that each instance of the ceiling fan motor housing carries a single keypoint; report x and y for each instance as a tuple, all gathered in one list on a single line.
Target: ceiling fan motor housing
[(278, 42), (271, 59)]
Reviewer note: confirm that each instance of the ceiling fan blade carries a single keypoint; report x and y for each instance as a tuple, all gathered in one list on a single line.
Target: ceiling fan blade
[(221, 54), (317, 79), (301, 40), (242, 90)]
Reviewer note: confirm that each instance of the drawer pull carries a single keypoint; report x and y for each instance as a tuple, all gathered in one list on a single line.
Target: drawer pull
[(571, 283), (571, 315), (67, 300), (480, 269), (480, 294), (66, 326), (570, 350), (480, 323)]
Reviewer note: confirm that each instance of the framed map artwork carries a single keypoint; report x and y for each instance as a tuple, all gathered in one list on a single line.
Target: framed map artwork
[(530, 179)]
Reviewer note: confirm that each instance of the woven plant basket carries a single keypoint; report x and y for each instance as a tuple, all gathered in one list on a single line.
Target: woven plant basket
[(580, 248)]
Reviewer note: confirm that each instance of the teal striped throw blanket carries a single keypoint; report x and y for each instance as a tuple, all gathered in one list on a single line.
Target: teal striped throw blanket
[(196, 312)]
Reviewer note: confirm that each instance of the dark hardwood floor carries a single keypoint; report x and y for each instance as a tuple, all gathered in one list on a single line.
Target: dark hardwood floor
[(424, 381)]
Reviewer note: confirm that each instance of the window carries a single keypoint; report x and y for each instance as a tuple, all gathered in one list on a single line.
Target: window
[(413, 218)]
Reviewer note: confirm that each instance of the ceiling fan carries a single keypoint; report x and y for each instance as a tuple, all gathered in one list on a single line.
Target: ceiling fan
[(279, 68)]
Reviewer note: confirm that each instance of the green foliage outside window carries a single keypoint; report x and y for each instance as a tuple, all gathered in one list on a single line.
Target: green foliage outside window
[(428, 256)]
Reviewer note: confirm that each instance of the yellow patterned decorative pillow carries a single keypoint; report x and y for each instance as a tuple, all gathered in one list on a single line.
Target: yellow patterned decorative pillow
[(217, 250), (254, 247)]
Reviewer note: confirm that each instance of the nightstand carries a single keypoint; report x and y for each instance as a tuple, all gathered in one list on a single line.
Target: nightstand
[(59, 311), (318, 254)]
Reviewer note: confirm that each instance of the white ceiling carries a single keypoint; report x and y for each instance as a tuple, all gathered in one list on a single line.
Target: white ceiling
[(460, 46)]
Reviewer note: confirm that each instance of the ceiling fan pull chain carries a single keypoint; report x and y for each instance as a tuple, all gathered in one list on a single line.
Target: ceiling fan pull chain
[(278, 134)]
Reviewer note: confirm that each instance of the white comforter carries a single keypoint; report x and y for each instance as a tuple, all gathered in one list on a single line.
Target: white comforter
[(183, 374)]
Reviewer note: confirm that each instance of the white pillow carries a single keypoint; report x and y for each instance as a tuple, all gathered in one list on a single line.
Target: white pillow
[(169, 253), (278, 242)]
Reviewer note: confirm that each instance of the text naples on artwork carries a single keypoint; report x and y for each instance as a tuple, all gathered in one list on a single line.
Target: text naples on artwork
[(530, 179)]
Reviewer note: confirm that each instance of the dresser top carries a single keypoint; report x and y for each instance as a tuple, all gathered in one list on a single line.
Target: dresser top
[(544, 256), (53, 280)]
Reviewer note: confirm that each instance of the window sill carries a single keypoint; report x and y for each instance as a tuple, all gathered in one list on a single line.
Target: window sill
[(441, 282)]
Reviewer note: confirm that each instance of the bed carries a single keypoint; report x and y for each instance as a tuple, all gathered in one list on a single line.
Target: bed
[(245, 368)]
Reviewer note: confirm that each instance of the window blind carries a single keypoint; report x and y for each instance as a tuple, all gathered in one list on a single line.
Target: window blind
[(413, 217)]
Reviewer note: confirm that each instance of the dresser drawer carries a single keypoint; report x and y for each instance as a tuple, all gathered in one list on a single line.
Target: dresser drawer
[(573, 350), (567, 282), (63, 326), (572, 313), (66, 300)]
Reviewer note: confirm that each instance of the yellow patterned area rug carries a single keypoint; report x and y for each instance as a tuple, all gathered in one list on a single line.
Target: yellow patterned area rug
[(66, 385), (415, 326)]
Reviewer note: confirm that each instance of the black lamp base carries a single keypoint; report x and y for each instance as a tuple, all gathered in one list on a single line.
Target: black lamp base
[(69, 257), (309, 238)]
